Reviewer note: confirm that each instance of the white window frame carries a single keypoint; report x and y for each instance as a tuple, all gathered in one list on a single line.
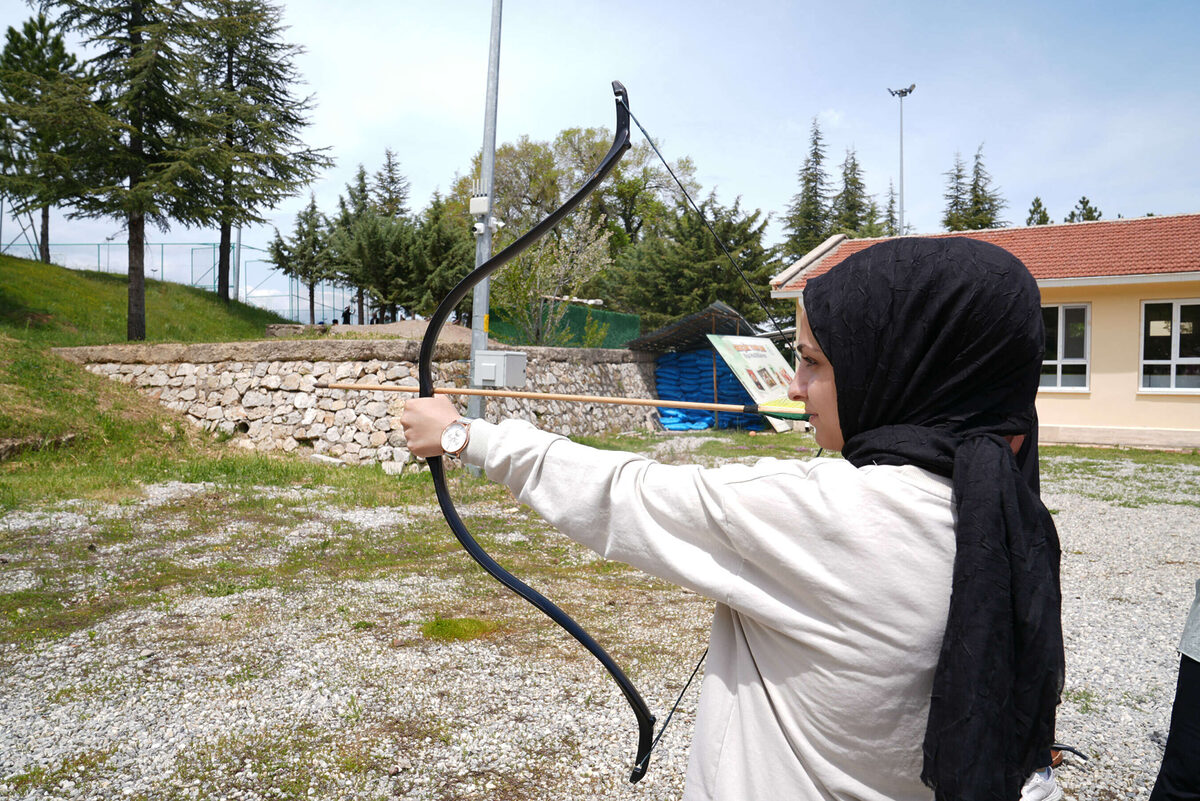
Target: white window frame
[(1086, 361), (1176, 360)]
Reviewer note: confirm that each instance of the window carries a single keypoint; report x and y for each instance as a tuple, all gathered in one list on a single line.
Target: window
[(1171, 345), (1065, 364)]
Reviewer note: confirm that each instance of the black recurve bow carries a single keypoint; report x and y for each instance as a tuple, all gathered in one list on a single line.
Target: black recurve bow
[(620, 144)]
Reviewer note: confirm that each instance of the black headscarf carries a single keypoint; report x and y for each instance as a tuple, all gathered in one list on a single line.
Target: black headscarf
[(936, 347)]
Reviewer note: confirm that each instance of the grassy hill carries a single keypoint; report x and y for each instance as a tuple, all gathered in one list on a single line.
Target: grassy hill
[(47, 305), (76, 429)]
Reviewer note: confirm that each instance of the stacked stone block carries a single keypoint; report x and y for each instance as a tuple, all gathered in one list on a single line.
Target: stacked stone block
[(269, 396)]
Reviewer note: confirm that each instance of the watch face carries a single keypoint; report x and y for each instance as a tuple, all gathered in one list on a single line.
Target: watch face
[(454, 438)]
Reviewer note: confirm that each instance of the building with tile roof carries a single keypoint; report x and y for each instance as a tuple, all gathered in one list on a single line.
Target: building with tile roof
[(1121, 302)]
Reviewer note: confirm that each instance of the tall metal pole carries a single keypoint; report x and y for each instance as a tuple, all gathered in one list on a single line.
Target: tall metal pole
[(483, 240), (902, 93)]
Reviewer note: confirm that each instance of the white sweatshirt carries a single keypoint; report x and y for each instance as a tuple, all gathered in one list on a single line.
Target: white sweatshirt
[(832, 585)]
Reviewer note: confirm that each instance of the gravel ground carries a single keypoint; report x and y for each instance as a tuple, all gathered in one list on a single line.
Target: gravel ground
[(332, 691)]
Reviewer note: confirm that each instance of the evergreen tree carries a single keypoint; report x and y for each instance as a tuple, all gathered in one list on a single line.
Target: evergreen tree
[(957, 197), (247, 81), (1084, 211), (685, 270), (890, 225), (848, 209), (444, 252), (807, 218), (354, 209), (305, 256), (151, 159), (390, 190), (1037, 213), (985, 203), (872, 225), (39, 81)]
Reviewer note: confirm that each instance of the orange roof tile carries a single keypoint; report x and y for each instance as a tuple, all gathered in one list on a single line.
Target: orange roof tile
[(1141, 246)]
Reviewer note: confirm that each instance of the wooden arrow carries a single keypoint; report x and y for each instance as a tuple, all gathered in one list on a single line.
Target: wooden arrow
[(782, 409)]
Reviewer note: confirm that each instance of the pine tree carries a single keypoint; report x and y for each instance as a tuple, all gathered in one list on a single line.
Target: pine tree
[(1084, 211), (848, 209), (807, 219), (444, 252), (890, 225), (246, 83), (305, 256), (150, 160), (684, 270), (984, 203), (872, 225), (1037, 213), (355, 209), (390, 190), (39, 80), (957, 197)]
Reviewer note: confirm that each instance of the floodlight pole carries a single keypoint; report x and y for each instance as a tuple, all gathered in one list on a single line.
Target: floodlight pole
[(902, 93), (483, 228)]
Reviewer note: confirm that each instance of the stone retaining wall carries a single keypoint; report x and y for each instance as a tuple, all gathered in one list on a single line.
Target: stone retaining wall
[(266, 395)]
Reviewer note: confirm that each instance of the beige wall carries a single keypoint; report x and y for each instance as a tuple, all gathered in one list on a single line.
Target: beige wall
[(1113, 410)]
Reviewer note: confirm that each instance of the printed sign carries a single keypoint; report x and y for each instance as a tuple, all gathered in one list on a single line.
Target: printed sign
[(759, 367)]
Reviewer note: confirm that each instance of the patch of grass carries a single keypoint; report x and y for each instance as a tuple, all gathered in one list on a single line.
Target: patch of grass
[(634, 441), (1084, 700), (275, 765), (739, 444), (458, 628), (75, 768), (1083, 455)]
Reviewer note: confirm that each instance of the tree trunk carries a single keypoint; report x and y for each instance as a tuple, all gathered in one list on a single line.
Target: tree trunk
[(44, 243), (226, 192), (223, 261), (136, 320), (135, 323), (312, 303), (361, 319)]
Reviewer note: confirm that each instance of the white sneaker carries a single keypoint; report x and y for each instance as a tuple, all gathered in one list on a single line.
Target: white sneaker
[(1041, 786)]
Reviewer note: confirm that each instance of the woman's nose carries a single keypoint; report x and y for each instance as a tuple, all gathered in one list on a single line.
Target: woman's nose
[(797, 389)]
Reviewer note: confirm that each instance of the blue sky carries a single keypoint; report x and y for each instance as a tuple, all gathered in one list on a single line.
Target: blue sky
[(1067, 98)]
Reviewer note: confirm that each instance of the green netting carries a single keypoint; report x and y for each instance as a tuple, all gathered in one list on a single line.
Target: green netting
[(621, 327)]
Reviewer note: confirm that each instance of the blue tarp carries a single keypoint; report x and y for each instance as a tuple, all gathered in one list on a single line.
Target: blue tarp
[(688, 376)]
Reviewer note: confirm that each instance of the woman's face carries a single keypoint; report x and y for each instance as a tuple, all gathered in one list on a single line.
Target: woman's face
[(813, 384)]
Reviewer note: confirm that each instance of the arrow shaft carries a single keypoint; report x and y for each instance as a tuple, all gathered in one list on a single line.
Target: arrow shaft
[(551, 396)]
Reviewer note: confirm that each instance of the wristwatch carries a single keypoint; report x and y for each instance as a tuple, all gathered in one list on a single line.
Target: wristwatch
[(456, 436)]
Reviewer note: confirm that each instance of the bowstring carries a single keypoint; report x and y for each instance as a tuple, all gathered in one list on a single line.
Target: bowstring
[(671, 714), (703, 219)]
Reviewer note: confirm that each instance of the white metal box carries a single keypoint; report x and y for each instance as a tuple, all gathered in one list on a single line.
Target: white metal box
[(499, 368)]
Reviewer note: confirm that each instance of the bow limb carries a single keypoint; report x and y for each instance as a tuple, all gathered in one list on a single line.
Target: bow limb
[(437, 470)]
